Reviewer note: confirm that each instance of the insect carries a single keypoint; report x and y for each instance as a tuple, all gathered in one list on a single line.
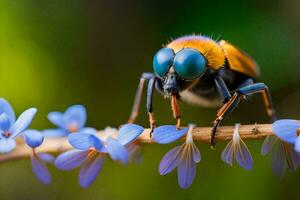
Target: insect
[(199, 70)]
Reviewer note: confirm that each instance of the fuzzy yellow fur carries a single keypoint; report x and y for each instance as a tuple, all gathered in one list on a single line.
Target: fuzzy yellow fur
[(208, 47), (217, 52)]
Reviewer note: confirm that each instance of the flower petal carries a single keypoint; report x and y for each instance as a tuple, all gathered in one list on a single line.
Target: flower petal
[(186, 172), (80, 140), (23, 122), (227, 154), (243, 156), (89, 130), (33, 138), (278, 159), (297, 145), (167, 134), (116, 150), (286, 129), (40, 170), (4, 122), (134, 152), (7, 145), (292, 157), (75, 114), (55, 133), (70, 159), (196, 153), (90, 171), (97, 143), (57, 119), (5, 107), (49, 158), (170, 160), (128, 133), (267, 145)]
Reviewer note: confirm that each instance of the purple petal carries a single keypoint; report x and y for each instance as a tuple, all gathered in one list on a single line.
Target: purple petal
[(75, 114), (70, 159), (243, 156), (134, 152), (33, 138), (292, 157), (80, 140), (23, 122), (90, 171), (116, 150), (4, 122), (7, 145), (227, 154), (5, 107), (128, 133), (286, 129), (167, 134), (268, 144), (297, 144), (278, 159), (196, 154), (55, 133), (46, 157), (170, 160), (186, 172), (97, 143), (57, 119), (89, 130), (40, 170)]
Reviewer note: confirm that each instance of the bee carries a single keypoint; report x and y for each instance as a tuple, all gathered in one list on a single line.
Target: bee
[(199, 70)]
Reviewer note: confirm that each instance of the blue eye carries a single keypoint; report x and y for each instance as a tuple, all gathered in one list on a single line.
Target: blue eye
[(162, 61), (189, 63)]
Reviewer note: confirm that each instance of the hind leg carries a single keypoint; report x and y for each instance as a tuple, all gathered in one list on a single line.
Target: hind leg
[(234, 100)]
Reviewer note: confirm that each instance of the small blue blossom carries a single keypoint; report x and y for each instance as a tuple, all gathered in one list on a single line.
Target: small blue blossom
[(71, 121), (167, 134), (10, 127), (237, 150), (34, 139), (283, 147), (91, 149), (184, 157)]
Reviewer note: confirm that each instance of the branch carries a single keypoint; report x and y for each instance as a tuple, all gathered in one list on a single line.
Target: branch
[(200, 134)]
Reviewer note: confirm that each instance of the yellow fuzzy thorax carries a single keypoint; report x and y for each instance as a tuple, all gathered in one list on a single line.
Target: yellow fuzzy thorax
[(208, 47)]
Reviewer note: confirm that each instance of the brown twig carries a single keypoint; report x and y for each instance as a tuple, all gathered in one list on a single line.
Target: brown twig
[(201, 134)]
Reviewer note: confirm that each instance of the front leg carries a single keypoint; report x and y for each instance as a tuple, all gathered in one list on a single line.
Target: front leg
[(175, 110), (138, 97), (149, 106)]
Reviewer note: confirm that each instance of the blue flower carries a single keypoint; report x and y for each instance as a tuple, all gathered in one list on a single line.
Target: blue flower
[(237, 150), (184, 157), (288, 130), (91, 149), (283, 146), (71, 121), (10, 127), (34, 139)]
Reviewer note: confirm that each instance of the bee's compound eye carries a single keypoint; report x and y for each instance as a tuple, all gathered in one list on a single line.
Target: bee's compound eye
[(162, 61), (189, 63)]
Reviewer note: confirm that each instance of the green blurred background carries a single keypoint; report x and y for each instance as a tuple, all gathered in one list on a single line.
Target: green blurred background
[(57, 53)]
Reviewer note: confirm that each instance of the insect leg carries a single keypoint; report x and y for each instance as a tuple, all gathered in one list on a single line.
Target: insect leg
[(175, 110), (150, 90), (264, 90), (138, 97), (222, 89), (228, 107)]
